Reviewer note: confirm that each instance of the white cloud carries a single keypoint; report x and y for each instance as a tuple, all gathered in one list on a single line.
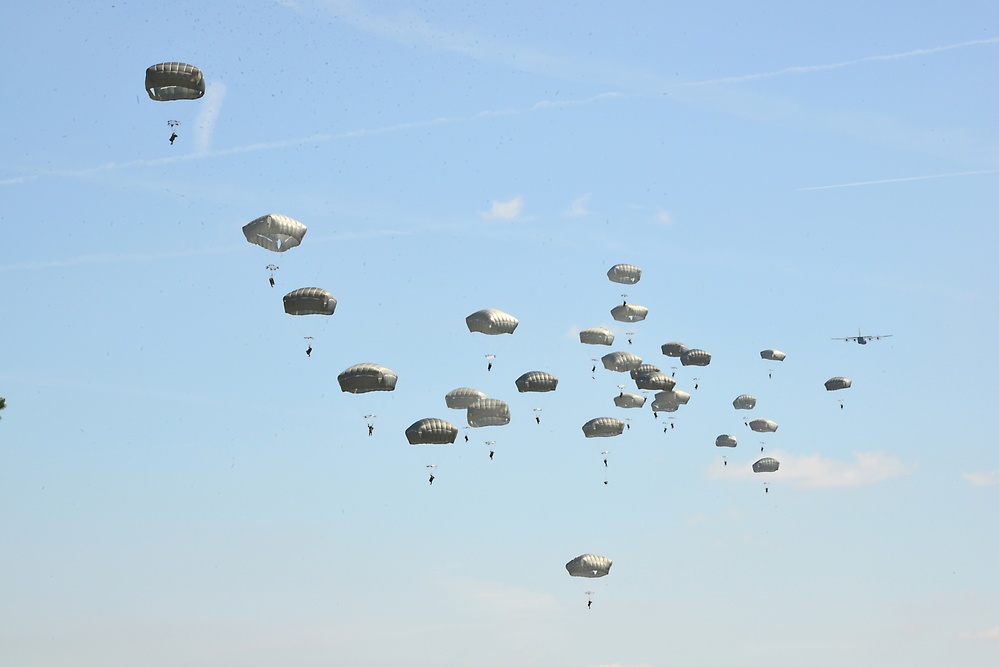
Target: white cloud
[(982, 478), (814, 471), (663, 216), (988, 633), (900, 180), (204, 124), (505, 210), (578, 207)]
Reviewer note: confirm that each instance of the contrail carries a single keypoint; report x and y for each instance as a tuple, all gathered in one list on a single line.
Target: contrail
[(804, 69), (899, 180)]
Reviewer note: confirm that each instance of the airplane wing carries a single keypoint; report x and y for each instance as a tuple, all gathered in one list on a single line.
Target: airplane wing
[(849, 338)]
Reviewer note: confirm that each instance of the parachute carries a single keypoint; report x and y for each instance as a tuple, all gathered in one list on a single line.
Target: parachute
[(309, 301), (536, 381), (772, 355), (832, 384), (766, 465), (726, 441), (763, 425), (626, 274), (275, 232), (362, 378), (674, 349), (622, 362), (603, 427), (695, 358), (491, 321), (596, 336), (674, 396), (655, 381), (589, 565), (744, 402), (641, 370), (167, 82), (624, 400), (488, 412), (462, 397), (629, 312), (432, 431)]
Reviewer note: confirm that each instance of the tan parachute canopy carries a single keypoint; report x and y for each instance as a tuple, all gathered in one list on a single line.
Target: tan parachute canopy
[(309, 301), (763, 425), (643, 369), (167, 82), (655, 380), (675, 396), (491, 321), (772, 355), (726, 441), (629, 312), (275, 232), (674, 349), (744, 402), (589, 565), (627, 400), (626, 274), (695, 358), (488, 412), (603, 427), (537, 381), (432, 431), (362, 378), (462, 397), (622, 362), (832, 384), (596, 336), (766, 465)]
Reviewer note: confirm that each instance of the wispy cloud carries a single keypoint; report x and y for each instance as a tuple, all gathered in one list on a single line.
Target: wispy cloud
[(579, 207), (982, 478), (901, 180), (808, 69), (504, 210), (988, 633), (210, 109), (815, 471), (663, 216)]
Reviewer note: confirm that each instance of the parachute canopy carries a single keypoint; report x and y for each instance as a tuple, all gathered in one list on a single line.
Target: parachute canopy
[(726, 441), (763, 425), (167, 82), (622, 362), (655, 381), (626, 274), (432, 431), (596, 336), (744, 402), (695, 358), (603, 427), (642, 369), (462, 397), (832, 384), (772, 355), (362, 378), (309, 301), (674, 396), (629, 312), (626, 400), (766, 465), (275, 232), (491, 321), (674, 349), (488, 412), (589, 565), (536, 381)]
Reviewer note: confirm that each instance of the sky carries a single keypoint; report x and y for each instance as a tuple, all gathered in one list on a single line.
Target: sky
[(181, 484)]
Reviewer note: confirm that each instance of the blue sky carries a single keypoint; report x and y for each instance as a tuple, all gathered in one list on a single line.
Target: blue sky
[(180, 484)]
